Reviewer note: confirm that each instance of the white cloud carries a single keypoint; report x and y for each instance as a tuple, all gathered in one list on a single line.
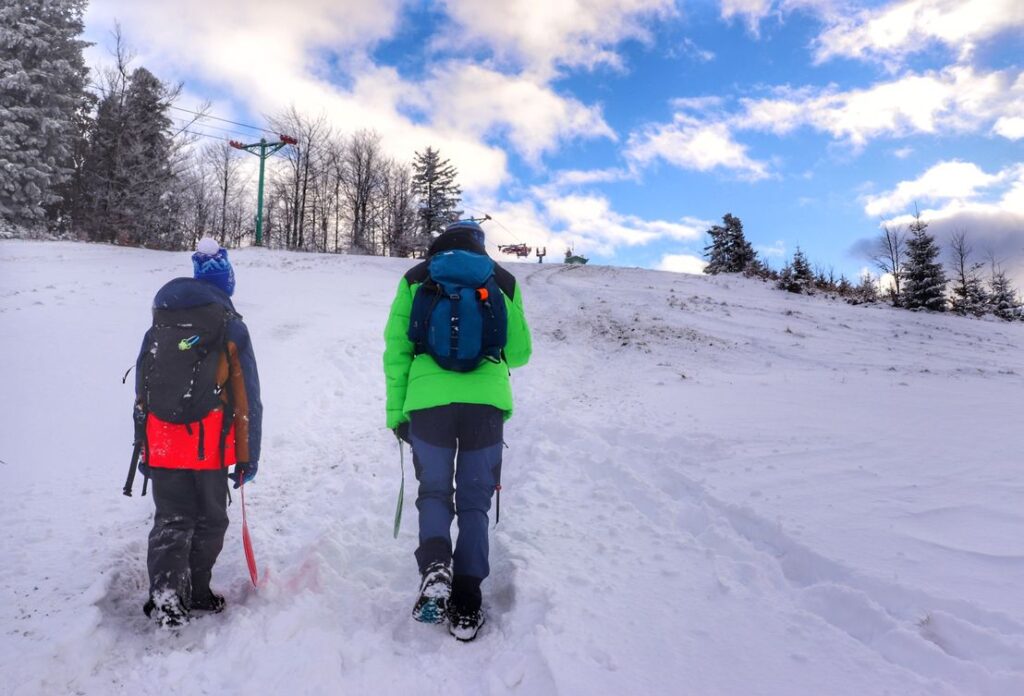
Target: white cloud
[(1010, 127), (776, 250), (956, 99), (682, 263), (578, 177), (954, 182), (690, 143), (903, 152), (979, 193), (540, 36), (593, 226), (690, 48), (897, 29), (537, 119), (264, 39), (515, 222), (988, 207), (586, 222), (266, 61), (751, 11)]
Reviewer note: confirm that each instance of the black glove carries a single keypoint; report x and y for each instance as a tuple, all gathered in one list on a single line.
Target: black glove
[(139, 418), (402, 432), (244, 473)]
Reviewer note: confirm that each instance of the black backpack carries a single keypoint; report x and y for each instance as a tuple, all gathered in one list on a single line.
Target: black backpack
[(458, 314), (177, 381)]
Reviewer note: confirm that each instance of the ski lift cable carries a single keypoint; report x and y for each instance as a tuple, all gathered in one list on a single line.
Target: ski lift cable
[(225, 120), (205, 135), (200, 114), (207, 126), (490, 218)]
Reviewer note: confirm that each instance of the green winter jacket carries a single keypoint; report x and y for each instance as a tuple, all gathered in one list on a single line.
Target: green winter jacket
[(416, 382)]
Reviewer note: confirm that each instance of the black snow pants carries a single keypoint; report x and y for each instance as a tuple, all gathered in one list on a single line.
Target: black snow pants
[(188, 530)]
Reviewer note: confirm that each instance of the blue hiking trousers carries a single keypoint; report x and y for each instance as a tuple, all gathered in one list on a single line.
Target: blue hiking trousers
[(458, 443)]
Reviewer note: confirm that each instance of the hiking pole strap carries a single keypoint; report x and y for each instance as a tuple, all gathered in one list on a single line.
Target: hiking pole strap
[(132, 466), (401, 489)]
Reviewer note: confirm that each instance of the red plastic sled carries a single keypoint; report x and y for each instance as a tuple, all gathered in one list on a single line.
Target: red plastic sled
[(250, 557)]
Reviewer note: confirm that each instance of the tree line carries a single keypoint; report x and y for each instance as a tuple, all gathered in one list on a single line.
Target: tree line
[(109, 157), (912, 274)]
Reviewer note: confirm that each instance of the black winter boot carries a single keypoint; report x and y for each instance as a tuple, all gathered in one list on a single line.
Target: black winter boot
[(167, 609), (465, 617), (211, 601), (464, 623), (432, 605)]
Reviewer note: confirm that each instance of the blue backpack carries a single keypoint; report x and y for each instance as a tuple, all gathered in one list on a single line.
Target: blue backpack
[(458, 314)]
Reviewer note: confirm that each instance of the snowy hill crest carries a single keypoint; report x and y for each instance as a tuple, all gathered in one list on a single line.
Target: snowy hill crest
[(711, 487)]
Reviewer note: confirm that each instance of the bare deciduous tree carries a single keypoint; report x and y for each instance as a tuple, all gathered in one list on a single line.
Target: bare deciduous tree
[(301, 162), (362, 173), (969, 295), (890, 256)]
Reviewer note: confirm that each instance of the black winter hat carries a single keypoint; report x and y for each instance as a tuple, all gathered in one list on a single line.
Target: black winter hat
[(462, 238)]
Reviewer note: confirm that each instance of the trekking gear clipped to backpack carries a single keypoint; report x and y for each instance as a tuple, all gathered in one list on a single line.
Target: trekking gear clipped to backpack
[(458, 315), (138, 449), (133, 466)]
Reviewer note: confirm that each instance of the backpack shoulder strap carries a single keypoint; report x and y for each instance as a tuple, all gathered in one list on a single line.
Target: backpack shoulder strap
[(418, 273), (506, 281)]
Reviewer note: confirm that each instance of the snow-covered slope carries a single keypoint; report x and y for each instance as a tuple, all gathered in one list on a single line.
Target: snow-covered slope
[(711, 487)]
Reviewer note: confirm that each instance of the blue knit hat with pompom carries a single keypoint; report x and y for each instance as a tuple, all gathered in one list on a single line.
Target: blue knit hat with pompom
[(210, 263)]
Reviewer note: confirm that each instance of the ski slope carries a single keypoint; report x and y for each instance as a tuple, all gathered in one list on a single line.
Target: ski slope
[(711, 487)]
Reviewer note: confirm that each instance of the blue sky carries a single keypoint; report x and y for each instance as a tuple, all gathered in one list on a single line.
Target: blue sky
[(626, 127)]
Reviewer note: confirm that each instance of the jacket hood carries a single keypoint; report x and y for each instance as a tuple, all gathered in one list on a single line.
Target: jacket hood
[(183, 293)]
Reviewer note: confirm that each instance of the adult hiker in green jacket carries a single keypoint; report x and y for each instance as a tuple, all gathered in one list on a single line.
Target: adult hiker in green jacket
[(454, 419)]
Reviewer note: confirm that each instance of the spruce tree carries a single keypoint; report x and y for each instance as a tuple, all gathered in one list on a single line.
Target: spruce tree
[(128, 179), (797, 276), (1004, 302), (433, 182), (924, 277), (785, 281), (729, 250), (802, 273), (42, 94), (844, 287)]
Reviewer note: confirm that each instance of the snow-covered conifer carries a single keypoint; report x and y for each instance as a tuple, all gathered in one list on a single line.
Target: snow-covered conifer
[(1004, 302), (128, 179), (729, 250), (924, 277), (433, 181), (42, 95), (797, 275)]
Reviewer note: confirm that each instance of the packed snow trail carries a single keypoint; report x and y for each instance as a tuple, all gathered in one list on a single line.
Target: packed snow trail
[(710, 487)]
